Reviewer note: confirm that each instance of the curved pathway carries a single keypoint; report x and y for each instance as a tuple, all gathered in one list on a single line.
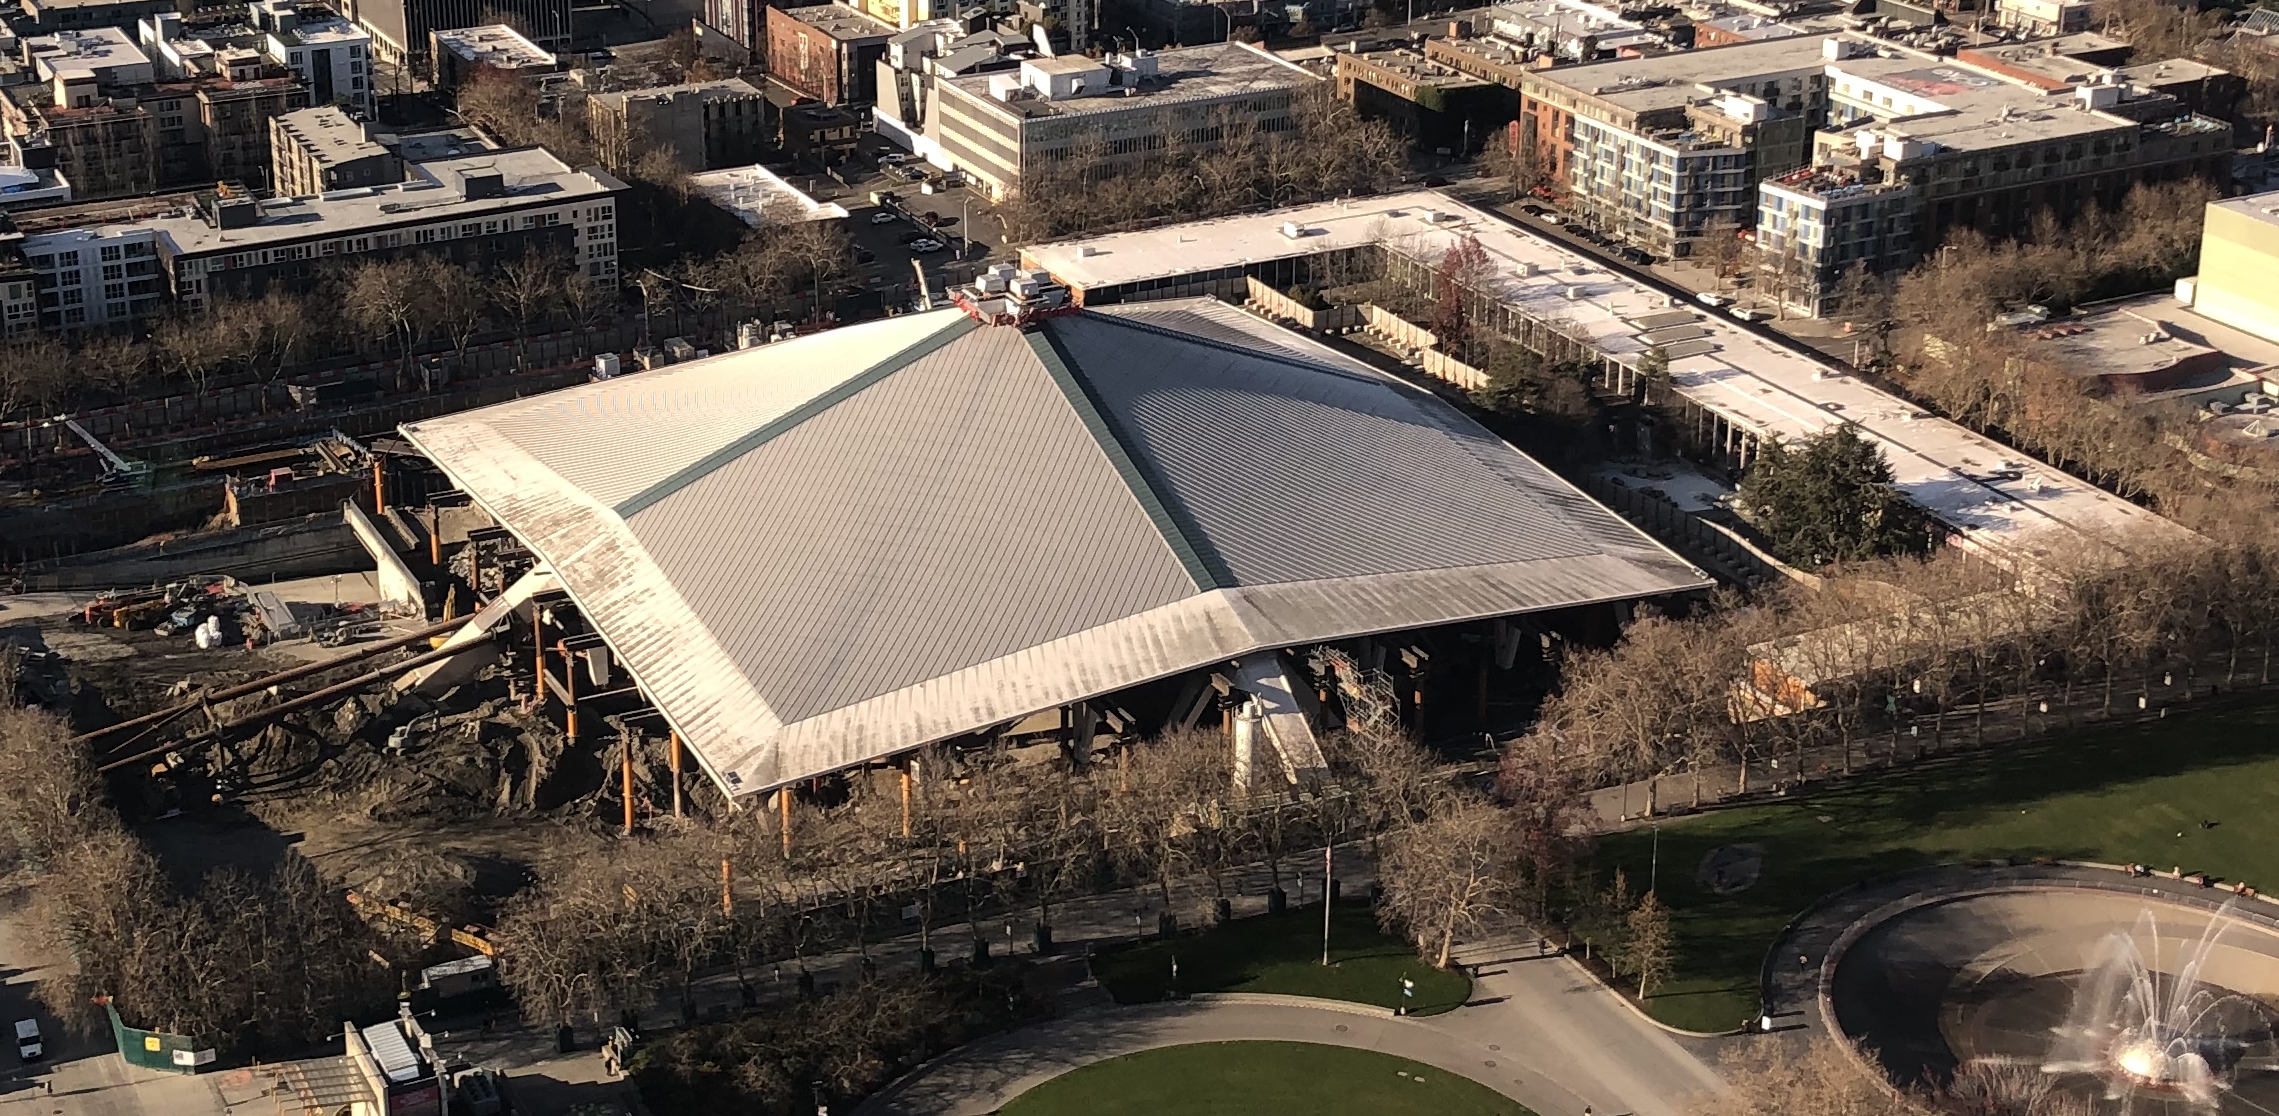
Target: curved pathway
[(1538, 1030)]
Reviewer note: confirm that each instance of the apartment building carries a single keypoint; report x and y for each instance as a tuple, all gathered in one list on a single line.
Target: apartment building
[(99, 275), (1436, 106), (707, 124), (1662, 149), (1741, 27), (64, 117), (2042, 18), (925, 54), (827, 52), (332, 55), (477, 212), (113, 263), (50, 16), (1916, 146), (319, 150), (997, 126), (454, 54), (1568, 30), (115, 118), (399, 28)]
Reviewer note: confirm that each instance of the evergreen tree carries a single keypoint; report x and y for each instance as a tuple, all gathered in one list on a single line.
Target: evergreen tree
[(1829, 499)]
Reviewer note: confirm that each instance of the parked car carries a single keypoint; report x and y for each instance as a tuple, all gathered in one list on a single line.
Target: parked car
[(882, 217), (1636, 256), (865, 255), (1751, 313), (28, 1044), (893, 158), (910, 236), (1712, 298), (923, 247), (1435, 181), (1549, 218)]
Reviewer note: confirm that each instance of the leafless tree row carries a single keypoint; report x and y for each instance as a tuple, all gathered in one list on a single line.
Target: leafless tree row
[(264, 961), (1823, 1079), (1903, 656), (391, 307), (1208, 167)]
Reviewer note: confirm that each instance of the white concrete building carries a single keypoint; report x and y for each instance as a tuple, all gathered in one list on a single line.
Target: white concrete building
[(95, 276)]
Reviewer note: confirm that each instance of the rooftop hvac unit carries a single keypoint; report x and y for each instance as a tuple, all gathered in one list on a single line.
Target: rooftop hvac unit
[(1527, 270), (1084, 250), (1574, 293)]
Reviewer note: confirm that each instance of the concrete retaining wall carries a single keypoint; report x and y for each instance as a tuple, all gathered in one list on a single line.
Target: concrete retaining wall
[(1442, 366), (1281, 307), (399, 587), (1398, 330)]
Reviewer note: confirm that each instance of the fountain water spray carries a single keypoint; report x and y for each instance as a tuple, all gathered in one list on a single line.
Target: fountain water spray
[(2141, 1028)]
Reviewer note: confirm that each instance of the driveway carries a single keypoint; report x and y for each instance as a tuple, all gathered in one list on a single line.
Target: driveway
[(1538, 1030)]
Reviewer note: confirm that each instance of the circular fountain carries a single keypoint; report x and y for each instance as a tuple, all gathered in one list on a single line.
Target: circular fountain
[(2135, 1005)]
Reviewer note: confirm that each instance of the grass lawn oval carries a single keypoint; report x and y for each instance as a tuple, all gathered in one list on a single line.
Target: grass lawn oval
[(1244, 1078)]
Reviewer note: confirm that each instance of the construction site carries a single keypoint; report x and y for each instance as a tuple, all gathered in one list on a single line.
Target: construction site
[(749, 586)]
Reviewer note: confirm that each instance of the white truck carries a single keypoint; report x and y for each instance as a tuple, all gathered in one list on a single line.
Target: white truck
[(28, 1040)]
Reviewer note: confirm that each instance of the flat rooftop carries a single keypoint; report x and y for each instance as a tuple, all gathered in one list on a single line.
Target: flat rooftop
[(756, 196), (1417, 68), (842, 22), (2254, 207), (329, 136), (2117, 342), (1757, 384), (439, 143), (1753, 27), (494, 45), (89, 49), (531, 175), (323, 32), (1661, 81), (703, 90), (1198, 73)]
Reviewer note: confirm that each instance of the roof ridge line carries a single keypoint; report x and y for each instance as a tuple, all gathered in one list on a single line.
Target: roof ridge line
[(1373, 379), (1179, 531), (837, 393)]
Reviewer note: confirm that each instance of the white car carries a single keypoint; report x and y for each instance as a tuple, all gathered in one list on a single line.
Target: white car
[(1712, 298), (882, 217), (28, 1040), (1751, 313), (925, 245), (1550, 218)]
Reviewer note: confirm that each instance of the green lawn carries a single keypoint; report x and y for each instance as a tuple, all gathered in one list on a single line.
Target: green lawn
[(1282, 953), (1245, 1078), (2137, 793)]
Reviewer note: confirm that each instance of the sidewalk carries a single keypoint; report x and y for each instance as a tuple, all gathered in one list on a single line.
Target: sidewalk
[(1080, 926)]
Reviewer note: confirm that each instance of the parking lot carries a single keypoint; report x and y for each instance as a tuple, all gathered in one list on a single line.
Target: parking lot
[(888, 237)]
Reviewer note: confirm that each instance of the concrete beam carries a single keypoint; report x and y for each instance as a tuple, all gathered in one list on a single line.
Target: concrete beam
[(516, 601)]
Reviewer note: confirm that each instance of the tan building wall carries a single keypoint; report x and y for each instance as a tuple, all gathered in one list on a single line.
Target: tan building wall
[(2239, 256)]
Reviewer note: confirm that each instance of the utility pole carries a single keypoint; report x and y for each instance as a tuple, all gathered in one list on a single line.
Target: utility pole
[(625, 740), (1329, 852), (674, 736)]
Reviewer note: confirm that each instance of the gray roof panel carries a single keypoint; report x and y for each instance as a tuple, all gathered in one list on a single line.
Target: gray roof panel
[(1297, 472), (949, 512)]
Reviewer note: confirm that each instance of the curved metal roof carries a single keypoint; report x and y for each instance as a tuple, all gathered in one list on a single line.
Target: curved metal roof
[(833, 549)]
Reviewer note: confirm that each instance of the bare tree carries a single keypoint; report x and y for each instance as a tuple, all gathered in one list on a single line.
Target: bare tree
[(1651, 951), (1447, 875), (31, 369), (527, 289)]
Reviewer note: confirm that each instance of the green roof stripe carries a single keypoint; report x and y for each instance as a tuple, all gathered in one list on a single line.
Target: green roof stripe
[(1179, 532), (854, 385)]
